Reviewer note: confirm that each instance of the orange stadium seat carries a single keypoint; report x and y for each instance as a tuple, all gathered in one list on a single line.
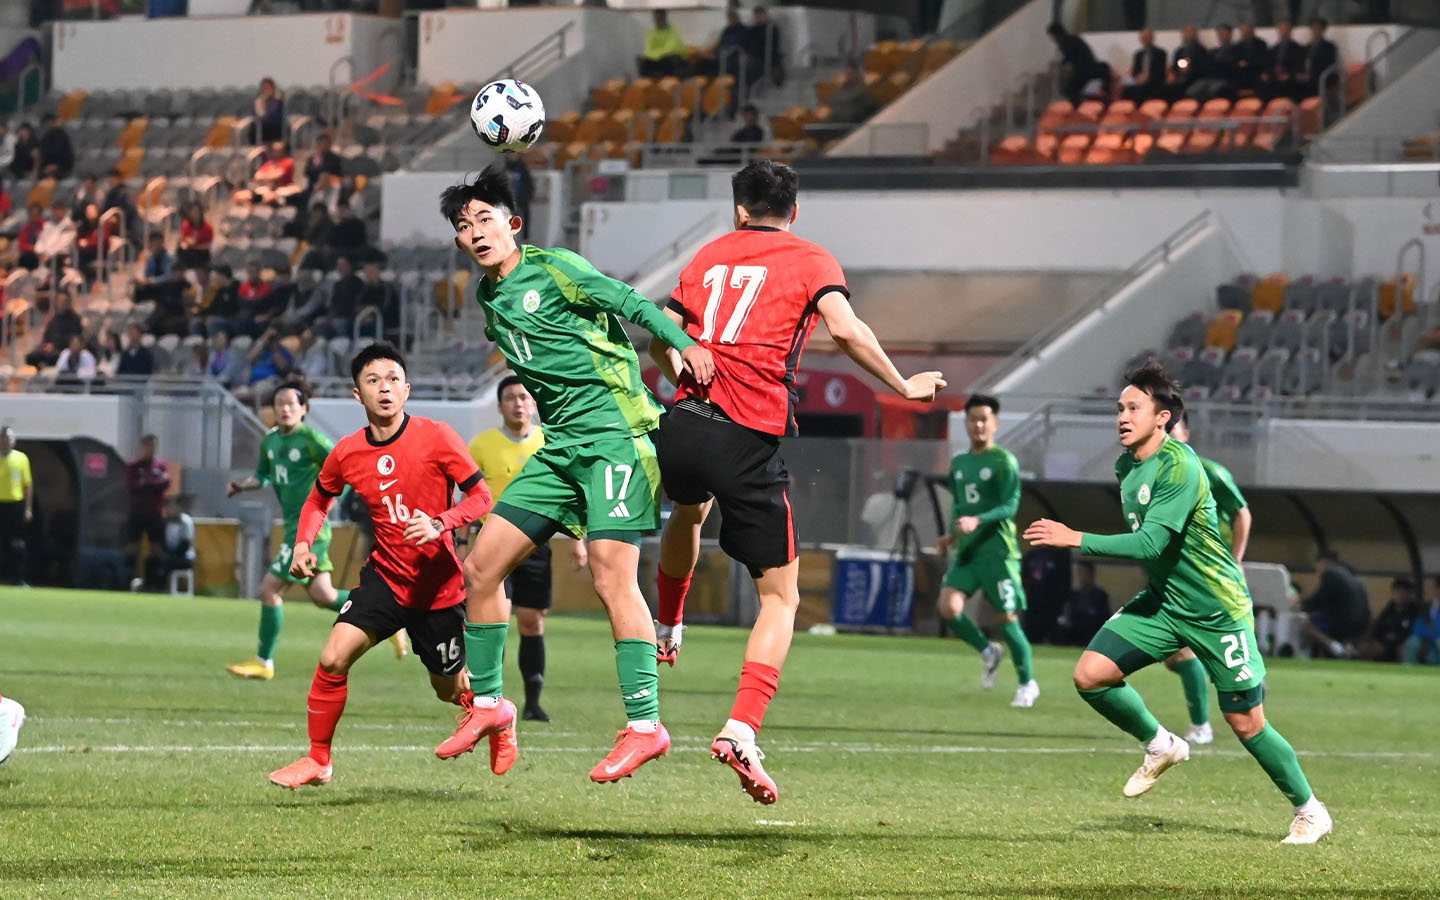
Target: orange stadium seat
[(133, 133), (880, 58), (1221, 330), (440, 99), (129, 164), (1312, 115), (71, 106), (672, 127), (592, 127), (221, 133), (691, 91), (41, 192), (717, 95), (910, 57), (607, 95), (1357, 83), (561, 129), (663, 94), (1013, 149), (936, 55), (1269, 294), (1090, 111), (1405, 288), (634, 95), (1073, 148)]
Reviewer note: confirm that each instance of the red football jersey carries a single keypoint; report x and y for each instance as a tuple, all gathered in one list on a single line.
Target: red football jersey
[(750, 299), (418, 468)]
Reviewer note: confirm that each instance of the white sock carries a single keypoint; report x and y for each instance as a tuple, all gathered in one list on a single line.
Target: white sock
[(742, 731), (1309, 806), (644, 726), (1337, 648), (267, 663), (663, 631), (486, 702), (1160, 742)]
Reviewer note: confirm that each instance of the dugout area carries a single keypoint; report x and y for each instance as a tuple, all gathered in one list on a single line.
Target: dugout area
[(77, 537)]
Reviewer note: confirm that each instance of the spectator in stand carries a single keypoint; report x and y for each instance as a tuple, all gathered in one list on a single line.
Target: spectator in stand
[(765, 44), (148, 480), (17, 508), (57, 238), (76, 362), (221, 357), (348, 234), (315, 232), (7, 204), (1392, 627), (270, 362), (27, 152), (63, 323), (377, 293), (1189, 64), (30, 231), (117, 194), (195, 364), (88, 192), (313, 359), (253, 317), (281, 300), (851, 103), (196, 236), (274, 182), (1287, 64), (108, 354), (7, 146), (1423, 644), (322, 171), (522, 185), (749, 131), (218, 305), (57, 154), (732, 50), (87, 241), (344, 298), (177, 551), (1147, 70), (1078, 64), (665, 50), (1219, 80), (1338, 612), (155, 281), (269, 112), (1320, 55), (1087, 608), (1252, 64), (136, 360)]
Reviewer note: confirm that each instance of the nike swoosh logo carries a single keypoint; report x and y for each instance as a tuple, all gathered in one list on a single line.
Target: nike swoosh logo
[(611, 770), (385, 485)]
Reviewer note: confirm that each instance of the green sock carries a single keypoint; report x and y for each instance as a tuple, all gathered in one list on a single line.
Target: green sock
[(1019, 649), (966, 631), (1121, 704), (339, 601), (1197, 696), (639, 678), (271, 618), (1277, 758), (485, 657)]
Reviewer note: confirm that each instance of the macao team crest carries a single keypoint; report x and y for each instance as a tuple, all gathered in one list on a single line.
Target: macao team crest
[(1144, 494), (294, 454), (531, 301), (985, 474), (385, 465)]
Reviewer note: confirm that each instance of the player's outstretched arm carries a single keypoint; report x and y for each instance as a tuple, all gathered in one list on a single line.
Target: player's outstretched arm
[(859, 343), (1146, 544), (303, 562), (666, 356), (240, 487)]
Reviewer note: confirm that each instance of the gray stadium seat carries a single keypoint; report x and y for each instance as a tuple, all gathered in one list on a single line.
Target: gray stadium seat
[(1289, 332), (1334, 296), (1188, 332), (1318, 328), (1270, 368), (1200, 373), (1255, 330), (1305, 373), (1301, 295)]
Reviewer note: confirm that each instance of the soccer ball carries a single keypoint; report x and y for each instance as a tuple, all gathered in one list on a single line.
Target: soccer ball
[(508, 115), (12, 716)]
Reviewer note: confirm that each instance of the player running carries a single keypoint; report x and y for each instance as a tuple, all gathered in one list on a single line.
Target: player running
[(752, 299), (406, 470), (1196, 597), (291, 455), (501, 453), (986, 486), (557, 321), (1234, 516)]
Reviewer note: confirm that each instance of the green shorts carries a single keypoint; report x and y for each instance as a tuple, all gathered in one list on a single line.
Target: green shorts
[(609, 490), (998, 577), (280, 565), (1143, 632)]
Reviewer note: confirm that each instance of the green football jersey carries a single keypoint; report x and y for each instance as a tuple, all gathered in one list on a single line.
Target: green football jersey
[(1194, 576), (290, 463), (1228, 499), (987, 485), (557, 321)]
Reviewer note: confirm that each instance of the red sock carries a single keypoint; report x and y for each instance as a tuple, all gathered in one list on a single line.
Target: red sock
[(325, 704), (672, 593), (757, 685)]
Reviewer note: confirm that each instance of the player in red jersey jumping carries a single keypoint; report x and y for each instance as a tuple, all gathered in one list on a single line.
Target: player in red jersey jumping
[(406, 470), (751, 298)]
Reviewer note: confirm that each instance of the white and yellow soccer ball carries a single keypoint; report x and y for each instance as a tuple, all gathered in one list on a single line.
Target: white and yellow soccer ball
[(508, 115)]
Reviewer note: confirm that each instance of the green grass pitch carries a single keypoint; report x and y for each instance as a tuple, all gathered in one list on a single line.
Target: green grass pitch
[(141, 772)]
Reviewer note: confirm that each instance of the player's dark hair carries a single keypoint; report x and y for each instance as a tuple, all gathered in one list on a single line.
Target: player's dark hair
[(1155, 381), (301, 394), (766, 189), (491, 187), (508, 381), (149, 439), (983, 400), (376, 351)]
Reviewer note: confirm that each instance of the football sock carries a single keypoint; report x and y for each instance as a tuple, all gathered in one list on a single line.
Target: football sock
[(671, 597), (639, 678), (485, 656), (532, 666), (339, 602), (1278, 759), (757, 686), (271, 618), (1122, 706), (324, 706), (966, 631), (1197, 697), (1019, 646)]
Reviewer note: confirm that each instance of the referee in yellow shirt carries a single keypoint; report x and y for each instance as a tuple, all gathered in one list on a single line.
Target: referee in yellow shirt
[(17, 507), (501, 453)]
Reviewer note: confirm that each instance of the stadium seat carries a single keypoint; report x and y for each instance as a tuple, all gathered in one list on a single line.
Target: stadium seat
[(1239, 371), (673, 127), (607, 96), (1333, 295), (1402, 288), (1318, 329), (634, 96), (1270, 369), (693, 89), (1421, 374), (880, 58), (1222, 329), (663, 95), (1233, 295), (1289, 331), (1305, 373), (937, 54), (1269, 294), (1255, 330), (717, 95), (1357, 83), (1188, 332), (1312, 115), (1152, 110), (1073, 148), (1013, 149), (1301, 294)]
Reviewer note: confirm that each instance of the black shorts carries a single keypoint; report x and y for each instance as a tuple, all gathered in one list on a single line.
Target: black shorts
[(146, 525), (12, 523), (703, 454), (437, 635), (529, 584)]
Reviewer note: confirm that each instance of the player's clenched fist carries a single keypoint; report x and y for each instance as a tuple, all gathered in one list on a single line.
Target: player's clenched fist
[(924, 386), (303, 563), (422, 529)]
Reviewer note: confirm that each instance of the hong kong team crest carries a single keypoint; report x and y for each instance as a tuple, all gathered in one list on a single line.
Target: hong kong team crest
[(385, 465)]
